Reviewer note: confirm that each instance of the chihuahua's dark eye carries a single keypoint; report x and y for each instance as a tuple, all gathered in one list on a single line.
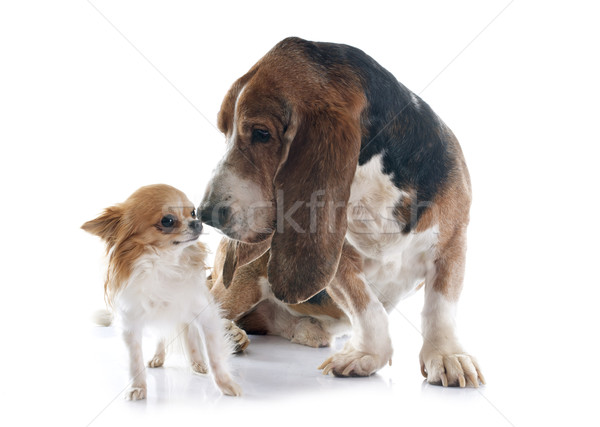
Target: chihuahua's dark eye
[(194, 213), (260, 135), (167, 221)]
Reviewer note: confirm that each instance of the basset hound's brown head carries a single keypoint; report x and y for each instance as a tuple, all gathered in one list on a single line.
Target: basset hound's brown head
[(293, 132)]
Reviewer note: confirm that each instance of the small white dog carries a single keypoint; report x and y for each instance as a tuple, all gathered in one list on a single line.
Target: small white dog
[(156, 278)]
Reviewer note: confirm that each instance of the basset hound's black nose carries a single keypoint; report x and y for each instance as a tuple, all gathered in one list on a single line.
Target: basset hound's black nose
[(214, 216), (196, 226)]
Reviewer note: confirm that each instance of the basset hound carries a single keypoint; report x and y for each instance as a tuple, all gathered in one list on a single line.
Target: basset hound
[(341, 192)]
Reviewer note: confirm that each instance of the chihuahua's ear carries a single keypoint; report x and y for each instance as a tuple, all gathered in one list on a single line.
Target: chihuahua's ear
[(105, 226)]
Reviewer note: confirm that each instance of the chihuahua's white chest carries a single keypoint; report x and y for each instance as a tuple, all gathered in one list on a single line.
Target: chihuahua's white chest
[(162, 293)]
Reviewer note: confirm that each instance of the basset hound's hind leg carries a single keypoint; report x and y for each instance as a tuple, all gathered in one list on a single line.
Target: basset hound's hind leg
[(370, 347), (273, 318)]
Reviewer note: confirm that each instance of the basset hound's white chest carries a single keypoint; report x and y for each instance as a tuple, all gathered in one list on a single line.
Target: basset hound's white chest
[(395, 263)]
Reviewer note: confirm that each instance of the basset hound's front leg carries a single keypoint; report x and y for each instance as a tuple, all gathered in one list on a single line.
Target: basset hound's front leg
[(443, 359), (370, 347)]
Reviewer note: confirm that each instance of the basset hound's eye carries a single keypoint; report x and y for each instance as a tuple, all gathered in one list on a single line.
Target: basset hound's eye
[(260, 135)]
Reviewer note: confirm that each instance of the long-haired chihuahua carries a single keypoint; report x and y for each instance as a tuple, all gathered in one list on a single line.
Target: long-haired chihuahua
[(157, 280)]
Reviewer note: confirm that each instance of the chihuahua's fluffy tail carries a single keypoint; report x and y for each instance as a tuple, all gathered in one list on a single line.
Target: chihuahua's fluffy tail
[(102, 318)]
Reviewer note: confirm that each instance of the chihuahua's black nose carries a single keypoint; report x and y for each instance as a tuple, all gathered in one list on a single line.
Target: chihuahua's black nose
[(215, 216), (196, 225)]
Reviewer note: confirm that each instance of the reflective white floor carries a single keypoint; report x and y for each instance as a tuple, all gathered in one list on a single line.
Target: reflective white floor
[(66, 371), (282, 386)]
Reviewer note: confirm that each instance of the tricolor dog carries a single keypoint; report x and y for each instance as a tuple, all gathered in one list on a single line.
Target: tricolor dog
[(341, 192)]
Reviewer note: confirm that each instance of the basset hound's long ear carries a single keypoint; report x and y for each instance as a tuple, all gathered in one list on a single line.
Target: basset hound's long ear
[(225, 116), (319, 157), (238, 254)]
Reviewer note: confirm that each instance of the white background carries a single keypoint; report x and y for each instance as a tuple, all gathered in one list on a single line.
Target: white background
[(99, 99)]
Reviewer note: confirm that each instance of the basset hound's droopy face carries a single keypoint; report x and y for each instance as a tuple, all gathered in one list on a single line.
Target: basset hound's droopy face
[(241, 196), (293, 138)]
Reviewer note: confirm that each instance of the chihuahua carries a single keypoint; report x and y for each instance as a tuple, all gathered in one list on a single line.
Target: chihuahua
[(157, 280)]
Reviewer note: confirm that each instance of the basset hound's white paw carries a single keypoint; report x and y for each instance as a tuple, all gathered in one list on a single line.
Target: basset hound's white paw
[(309, 332), (238, 337), (354, 363), (454, 369)]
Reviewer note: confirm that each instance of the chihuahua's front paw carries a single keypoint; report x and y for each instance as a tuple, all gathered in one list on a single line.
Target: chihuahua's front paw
[(157, 361), (228, 386), (136, 393), (450, 369), (199, 367)]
